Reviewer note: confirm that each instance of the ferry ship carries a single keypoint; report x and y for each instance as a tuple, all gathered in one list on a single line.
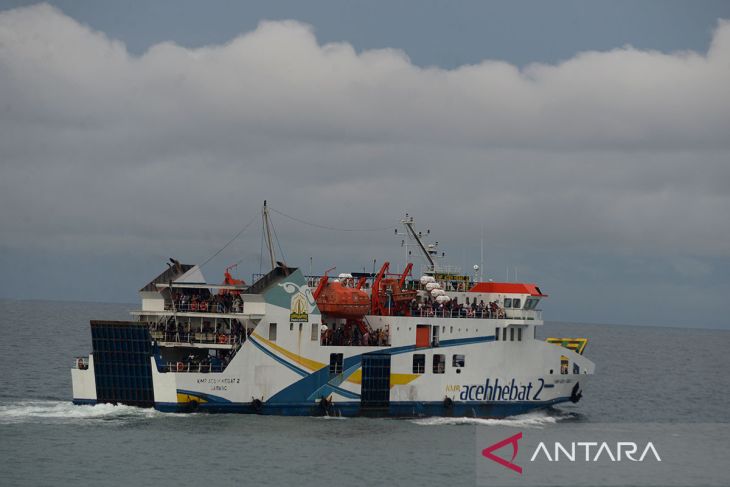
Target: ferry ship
[(438, 343)]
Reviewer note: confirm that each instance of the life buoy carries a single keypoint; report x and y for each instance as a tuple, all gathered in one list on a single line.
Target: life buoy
[(179, 366)]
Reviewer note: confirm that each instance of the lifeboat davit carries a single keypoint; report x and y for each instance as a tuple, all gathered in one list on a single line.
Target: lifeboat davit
[(342, 301), (398, 295)]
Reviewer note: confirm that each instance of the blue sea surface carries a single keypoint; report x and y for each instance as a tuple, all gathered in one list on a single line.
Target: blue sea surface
[(644, 374)]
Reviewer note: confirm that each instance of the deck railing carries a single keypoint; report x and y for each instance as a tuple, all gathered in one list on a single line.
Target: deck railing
[(203, 307), (514, 314), (191, 367), (197, 337)]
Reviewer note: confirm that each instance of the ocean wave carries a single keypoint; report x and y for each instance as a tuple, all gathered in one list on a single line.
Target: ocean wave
[(64, 412), (536, 419)]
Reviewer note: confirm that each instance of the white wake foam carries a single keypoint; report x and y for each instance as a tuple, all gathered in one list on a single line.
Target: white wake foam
[(328, 417), (65, 411), (536, 419)]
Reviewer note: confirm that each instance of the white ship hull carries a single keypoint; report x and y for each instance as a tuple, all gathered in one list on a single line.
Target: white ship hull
[(468, 367)]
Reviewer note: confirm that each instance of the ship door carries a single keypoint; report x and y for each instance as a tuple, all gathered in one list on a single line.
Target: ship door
[(423, 336), (375, 390)]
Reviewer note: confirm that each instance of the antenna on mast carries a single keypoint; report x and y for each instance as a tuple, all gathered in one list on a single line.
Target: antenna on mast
[(481, 256)]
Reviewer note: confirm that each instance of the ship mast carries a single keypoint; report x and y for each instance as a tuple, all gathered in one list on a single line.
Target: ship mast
[(408, 223), (267, 229)]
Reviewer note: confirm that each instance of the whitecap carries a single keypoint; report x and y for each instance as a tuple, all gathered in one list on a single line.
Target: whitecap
[(66, 411), (535, 419)]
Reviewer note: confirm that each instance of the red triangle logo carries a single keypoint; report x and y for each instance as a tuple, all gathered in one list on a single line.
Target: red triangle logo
[(487, 452)]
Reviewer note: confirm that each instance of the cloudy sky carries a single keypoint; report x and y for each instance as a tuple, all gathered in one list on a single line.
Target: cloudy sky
[(588, 143)]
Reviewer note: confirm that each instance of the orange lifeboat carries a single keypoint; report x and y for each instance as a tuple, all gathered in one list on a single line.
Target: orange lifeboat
[(337, 300)]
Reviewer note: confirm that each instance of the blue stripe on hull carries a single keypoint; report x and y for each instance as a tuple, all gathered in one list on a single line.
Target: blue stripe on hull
[(404, 409), (84, 402)]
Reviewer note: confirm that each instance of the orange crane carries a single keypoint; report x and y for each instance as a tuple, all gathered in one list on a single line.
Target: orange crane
[(229, 280), (377, 306), (322, 283), (406, 273), (388, 294)]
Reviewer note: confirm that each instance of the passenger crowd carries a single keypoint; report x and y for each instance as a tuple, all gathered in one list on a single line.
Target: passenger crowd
[(205, 332), (454, 309), (213, 303), (203, 363), (351, 335)]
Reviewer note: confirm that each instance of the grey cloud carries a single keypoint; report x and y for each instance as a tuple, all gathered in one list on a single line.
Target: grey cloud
[(618, 152)]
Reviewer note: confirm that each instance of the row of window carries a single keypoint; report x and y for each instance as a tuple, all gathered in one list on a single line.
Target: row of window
[(314, 331), (511, 334), (419, 363), (439, 363), (516, 303), (500, 333)]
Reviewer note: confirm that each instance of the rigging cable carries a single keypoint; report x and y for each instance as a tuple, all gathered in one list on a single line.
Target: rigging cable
[(229, 242), (261, 253), (276, 237), (325, 227)]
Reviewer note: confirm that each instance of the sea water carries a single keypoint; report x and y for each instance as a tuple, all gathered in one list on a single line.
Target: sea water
[(643, 374)]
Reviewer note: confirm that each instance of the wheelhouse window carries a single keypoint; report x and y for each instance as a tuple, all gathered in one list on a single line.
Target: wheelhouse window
[(272, 332), (419, 363), (516, 303), (335, 364), (507, 302), (458, 361), (439, 363)]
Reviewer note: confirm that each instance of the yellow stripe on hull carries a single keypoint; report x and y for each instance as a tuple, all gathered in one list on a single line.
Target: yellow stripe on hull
[(186, 398), (576, 344), (310, 364), (402, 379), (313, 365)]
